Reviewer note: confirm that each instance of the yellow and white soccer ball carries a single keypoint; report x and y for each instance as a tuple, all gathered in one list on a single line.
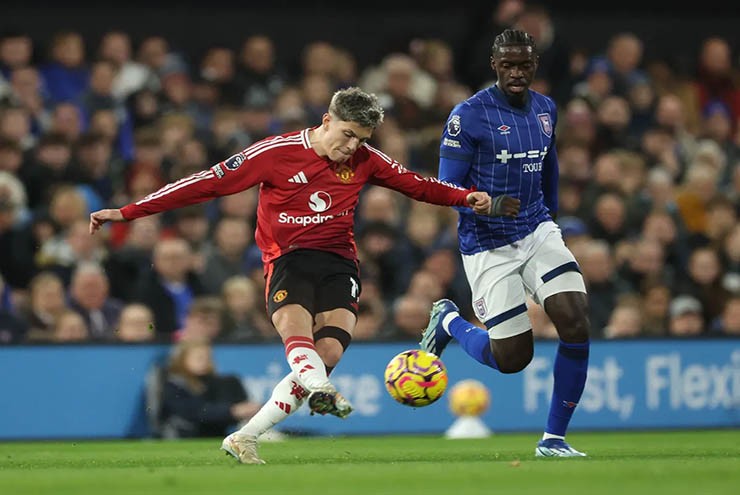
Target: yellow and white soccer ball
[(416, 378), (469, 398)]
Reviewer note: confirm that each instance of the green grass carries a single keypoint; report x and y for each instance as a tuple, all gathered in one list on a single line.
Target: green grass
[(671, 463)]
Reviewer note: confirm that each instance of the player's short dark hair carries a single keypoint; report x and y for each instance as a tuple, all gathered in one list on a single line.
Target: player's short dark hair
[(354, 105), (513, 37)]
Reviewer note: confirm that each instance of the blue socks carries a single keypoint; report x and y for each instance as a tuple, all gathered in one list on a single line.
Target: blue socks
[(569, 371), (475, 341)]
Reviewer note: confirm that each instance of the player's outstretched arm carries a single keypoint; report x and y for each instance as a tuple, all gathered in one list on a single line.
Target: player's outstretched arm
[(98, 218)]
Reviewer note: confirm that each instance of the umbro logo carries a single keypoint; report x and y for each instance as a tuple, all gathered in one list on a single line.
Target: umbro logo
[(299, 178)]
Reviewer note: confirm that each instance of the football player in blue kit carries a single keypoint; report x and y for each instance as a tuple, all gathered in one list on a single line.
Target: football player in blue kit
[(501, 140)]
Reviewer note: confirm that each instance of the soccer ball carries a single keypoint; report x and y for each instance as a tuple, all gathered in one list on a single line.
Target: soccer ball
[(469, 398), (416, 378)]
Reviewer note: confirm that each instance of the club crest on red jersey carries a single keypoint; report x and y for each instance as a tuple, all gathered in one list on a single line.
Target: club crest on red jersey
[(345, 173)]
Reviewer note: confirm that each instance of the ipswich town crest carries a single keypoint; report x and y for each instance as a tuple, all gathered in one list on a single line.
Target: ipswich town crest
[(545, 123)]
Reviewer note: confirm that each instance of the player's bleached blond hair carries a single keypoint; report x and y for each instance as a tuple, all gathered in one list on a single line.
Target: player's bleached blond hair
[(354, 105)]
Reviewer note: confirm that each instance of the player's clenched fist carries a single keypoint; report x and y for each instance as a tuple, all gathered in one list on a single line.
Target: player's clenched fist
[(480, 202), (505, 206), (98, 218)]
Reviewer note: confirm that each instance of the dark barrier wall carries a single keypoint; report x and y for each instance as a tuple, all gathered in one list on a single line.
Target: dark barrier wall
[(94, 392), (371, 31)]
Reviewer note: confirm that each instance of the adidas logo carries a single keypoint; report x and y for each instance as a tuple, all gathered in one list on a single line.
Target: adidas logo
[(299, 178)]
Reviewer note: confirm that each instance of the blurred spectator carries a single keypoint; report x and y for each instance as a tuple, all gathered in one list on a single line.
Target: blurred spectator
[(609, 220), (46, 301), (67, 207), (25, 91), (655, 303), (16, 51), (231, 236), (553, 76), (196, 400), (380, 204), (659, 225), (685, 317), (17, 245), (371, 316), (646, 265), (703, 280), (218, 69), (426, 284), (203, 320), (12, 327), (613, 117), (131, 76), (49, 167), (131, 260), (386, 254), (192, 225), (257, 72), (70, 327), (603, 284), (624, 56), (728, 323), (715, 79), (404, 90), (93, 165), (135, 324), (698, 188), (170, 287), (625, 320), (65, 73), (243, 317), (410, 314), (317, 58), (89, 296), (477, 58)]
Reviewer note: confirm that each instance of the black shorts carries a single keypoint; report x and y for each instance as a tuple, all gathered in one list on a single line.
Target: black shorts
[(317, 280)]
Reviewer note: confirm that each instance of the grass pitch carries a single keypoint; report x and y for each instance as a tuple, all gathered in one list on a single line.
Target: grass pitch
[(655, 463)]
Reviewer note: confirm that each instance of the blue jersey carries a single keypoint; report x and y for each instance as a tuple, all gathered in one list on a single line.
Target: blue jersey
[(491, 146)]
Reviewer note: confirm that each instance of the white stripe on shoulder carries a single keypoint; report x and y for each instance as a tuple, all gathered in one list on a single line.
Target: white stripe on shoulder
[(169, 188), (293, 141), (382, 155), (270, 141), (304, 137)]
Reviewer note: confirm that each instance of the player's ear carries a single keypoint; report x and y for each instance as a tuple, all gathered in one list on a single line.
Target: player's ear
[(325, 121)]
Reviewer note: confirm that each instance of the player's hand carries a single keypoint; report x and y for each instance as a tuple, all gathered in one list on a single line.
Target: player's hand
[(505, 206), (480, 202), (98, 218)]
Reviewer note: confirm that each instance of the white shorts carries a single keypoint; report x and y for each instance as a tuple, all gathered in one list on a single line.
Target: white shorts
[(539, 265)]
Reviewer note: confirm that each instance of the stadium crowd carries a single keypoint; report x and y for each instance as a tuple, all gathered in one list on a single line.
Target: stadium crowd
[(649, 183)]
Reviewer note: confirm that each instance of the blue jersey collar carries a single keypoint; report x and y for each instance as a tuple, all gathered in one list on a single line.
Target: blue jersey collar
[(501, 97)]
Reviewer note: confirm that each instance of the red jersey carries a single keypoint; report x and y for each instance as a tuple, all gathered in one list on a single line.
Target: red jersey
[(305, 201)]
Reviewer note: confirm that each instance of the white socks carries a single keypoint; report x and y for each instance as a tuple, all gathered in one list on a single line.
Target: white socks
[(286, 398), (306, 362)]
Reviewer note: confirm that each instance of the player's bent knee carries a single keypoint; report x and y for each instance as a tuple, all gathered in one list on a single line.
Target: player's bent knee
[(513, 354), (331, 342), (569, 313), (513, 364)]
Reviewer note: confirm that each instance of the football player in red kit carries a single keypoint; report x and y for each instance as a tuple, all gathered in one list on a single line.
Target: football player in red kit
[(310, 182)]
